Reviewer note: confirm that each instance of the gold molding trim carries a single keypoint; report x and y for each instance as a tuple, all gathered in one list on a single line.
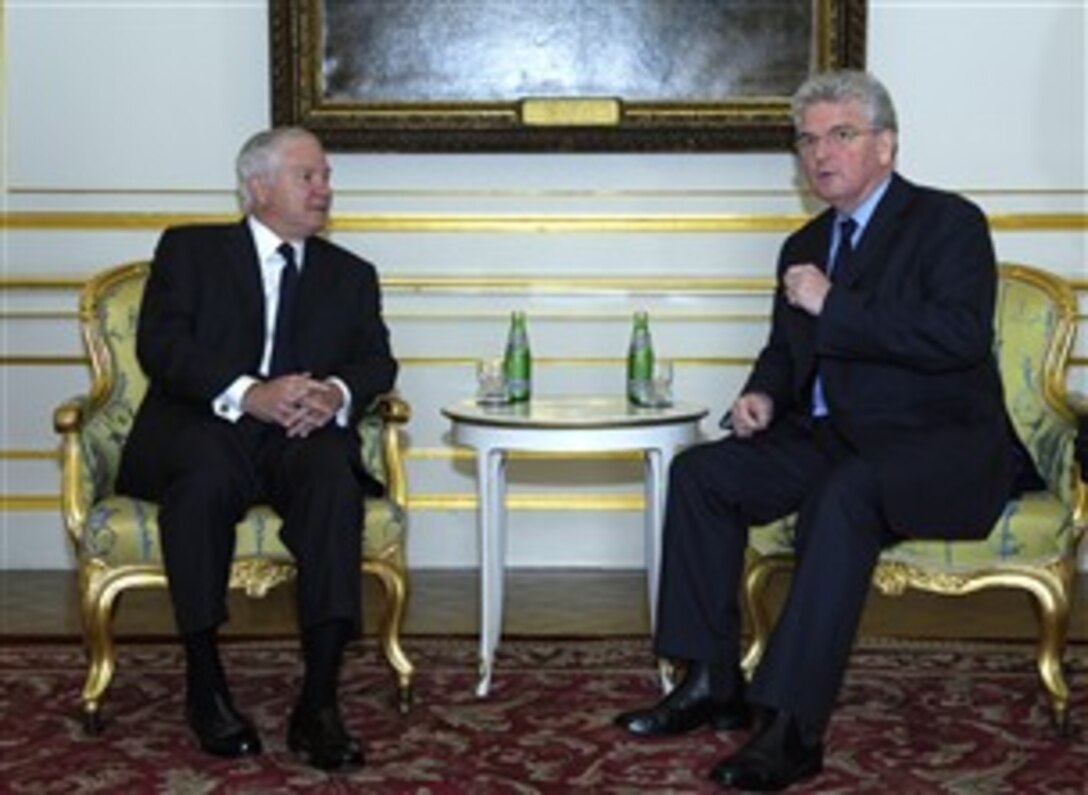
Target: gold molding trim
[(463, 361), (19, 315), (520, 223), (40, 454), (530, 502), (43, 283), (420, 502), (515, 192), (466, 454), (570, 361), (34, 360), (30, 502), (756, 285)]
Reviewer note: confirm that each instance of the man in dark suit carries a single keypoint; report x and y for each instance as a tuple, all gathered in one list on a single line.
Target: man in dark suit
[(262, 344), (874, 411)]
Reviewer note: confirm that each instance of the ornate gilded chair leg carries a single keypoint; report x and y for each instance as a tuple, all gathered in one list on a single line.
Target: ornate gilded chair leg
[(97, 609), (395, 587), (758, 575), (1053, 610)]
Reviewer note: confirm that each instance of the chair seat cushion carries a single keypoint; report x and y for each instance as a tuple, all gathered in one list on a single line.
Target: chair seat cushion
[(1024, 534), (124, 531)]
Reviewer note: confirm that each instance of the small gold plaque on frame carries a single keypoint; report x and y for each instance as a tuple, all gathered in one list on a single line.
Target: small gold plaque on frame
[(571, 111)]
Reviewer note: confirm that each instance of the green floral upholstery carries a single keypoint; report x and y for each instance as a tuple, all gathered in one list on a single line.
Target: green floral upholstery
[(116, 537), (122, 530), (1033, 545)]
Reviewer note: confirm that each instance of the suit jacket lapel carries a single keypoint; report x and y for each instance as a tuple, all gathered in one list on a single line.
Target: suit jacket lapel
[(870, 256), (313, 288), (240, 259)]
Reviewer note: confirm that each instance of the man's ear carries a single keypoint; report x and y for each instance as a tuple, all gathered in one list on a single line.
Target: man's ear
[(258, 190), (887, 142)]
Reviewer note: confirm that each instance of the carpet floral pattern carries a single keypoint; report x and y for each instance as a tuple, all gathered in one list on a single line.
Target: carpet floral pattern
[(913, 718)]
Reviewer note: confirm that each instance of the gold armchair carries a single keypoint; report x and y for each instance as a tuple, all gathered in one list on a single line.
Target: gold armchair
[(1033, 545), (115, 537)]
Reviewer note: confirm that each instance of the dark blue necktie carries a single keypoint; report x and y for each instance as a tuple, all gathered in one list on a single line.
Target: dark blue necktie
[(840, 264), (845, 251), (283, 351)]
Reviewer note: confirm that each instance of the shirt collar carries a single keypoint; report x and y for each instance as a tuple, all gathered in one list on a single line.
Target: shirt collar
[(266, 242), (864, 211)]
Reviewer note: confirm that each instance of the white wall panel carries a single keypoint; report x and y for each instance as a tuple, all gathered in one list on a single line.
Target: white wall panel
[(133, 94)]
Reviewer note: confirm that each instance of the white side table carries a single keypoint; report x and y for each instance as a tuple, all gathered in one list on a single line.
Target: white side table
[(562, 424)]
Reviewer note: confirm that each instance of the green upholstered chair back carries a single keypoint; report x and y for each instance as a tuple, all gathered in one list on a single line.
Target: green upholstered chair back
[(1034, 324)]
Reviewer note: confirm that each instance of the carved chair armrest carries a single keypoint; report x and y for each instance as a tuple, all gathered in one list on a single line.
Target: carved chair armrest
[(387, 413), (394, 412), (77, 469)]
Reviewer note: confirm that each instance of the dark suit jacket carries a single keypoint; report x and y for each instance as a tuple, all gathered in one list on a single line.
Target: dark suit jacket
[(202, 325), (904, 345)]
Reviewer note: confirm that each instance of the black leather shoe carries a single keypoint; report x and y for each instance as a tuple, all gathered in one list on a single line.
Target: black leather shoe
[(320, 735), (689, 706), (220, 729), (776, 756)]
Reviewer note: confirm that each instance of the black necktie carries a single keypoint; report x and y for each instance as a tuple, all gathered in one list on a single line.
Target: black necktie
[(283, 352), (845, 251), (840, 264)]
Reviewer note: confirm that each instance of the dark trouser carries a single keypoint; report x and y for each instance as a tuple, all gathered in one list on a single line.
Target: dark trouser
[(207, 476), (716, 492)]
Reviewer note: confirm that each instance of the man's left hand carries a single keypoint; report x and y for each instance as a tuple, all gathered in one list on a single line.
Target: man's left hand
[(316, 407), (806, 287)]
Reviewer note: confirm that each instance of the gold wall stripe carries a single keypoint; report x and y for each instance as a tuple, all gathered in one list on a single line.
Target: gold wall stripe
[(42, 361), (636, 284), (30, 502), (454, 284), (42, 283), (571, 361), (521, 223), (518, 193), (530, 502), (19, 315), (460, 361), (465, 454), (418, 502), (30, 455)]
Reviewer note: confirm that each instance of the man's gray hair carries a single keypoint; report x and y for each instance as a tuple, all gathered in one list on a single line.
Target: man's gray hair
[(845, 86), (260, 157)]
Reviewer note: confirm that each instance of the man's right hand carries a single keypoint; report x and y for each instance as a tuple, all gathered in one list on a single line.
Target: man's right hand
[(752, 412), (281, 401)]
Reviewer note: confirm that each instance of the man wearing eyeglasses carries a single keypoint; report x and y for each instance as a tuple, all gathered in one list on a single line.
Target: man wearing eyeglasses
[(874, 412)]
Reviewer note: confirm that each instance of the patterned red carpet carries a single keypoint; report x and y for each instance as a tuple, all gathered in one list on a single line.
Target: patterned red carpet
[(913, 719)]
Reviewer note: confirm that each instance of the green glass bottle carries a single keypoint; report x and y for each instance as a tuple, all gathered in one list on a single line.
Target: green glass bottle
[(640, 361), (518, 364)]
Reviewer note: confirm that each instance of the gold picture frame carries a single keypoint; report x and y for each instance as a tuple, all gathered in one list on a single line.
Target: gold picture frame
[(552, 75)]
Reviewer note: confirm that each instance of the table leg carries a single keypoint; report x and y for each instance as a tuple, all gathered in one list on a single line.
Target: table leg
[(657, 474), (491, 477), (657, 462)]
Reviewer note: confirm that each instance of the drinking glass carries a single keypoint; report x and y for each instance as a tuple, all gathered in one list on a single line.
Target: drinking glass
[(661, 383), (491, 389)]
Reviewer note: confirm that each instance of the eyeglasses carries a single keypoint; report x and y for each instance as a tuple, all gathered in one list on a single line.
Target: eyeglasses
[(836, 138)]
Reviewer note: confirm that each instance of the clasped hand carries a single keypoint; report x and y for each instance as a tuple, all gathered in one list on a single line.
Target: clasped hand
[(297, 402), (806, 287)]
